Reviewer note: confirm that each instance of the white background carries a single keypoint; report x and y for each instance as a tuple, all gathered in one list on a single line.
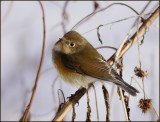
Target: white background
[(21, 45)]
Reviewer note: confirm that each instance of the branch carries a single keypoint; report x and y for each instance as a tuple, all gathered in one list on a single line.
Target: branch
[(77, 96), (26, 113), (135, 37)]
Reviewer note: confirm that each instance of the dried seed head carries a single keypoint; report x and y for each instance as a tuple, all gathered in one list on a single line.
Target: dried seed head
[(144, 104), (139, 72)]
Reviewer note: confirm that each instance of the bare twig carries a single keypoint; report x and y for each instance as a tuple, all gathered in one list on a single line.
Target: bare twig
[(145, 7), (106, 47), (133, 39), (88, 109), (115, 22), (69, 104), (96, 102), (106, 98), (26, 113), (95, 12), (8, 12), (62, 95), (124, 106), (73, 115)]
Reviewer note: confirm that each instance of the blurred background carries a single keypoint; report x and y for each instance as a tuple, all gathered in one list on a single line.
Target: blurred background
[(21, 45)]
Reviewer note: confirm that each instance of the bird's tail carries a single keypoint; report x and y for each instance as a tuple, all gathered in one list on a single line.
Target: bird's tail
[(128, 88)]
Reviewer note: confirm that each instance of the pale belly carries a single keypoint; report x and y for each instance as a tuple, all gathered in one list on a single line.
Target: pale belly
[(72, 77)]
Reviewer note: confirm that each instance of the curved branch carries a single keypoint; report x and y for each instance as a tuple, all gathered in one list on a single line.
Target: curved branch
[(26, 113), (71, 102), (93, 13)]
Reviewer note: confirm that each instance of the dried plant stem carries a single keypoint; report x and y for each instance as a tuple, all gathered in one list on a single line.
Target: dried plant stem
[(95, 12), (107, 47), (7, 13), (69, 104), (134, 38), (106, 98), (96, 102), (124, 105), (88, 109), (146, 96), (73, 115), (145, 7), (115, 22), (26, 113)]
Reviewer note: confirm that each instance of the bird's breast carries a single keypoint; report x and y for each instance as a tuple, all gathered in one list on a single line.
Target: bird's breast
[(71, 76)]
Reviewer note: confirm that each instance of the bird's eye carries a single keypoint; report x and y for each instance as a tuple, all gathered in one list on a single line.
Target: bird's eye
[(72, 44)]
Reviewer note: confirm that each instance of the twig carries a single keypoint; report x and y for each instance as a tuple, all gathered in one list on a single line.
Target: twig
[(106, 47), (145, 7), (133, 39), (26, 113), (96, 102), (115, 22), (95, 12), (106, 98), (62, 95), (69, 104), (8, 12), (73, 115), (124, 106), (88, 109)]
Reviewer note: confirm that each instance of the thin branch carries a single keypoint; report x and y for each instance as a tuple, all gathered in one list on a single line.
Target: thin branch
[(88, 119), (124, 106), (134, 38), (8, 12), (73, 114), (145, 7), (26, 113), (106, 47), (106, 98), (77, 96), (96, 102), (95, 12), (115, 22)]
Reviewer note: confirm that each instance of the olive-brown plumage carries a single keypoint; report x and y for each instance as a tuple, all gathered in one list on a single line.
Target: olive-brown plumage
[(79, 63)]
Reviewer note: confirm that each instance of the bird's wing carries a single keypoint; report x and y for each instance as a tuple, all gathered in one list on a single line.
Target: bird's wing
[(98, 68)]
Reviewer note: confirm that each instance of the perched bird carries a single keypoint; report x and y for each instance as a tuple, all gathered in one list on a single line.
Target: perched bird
[(79, 63)]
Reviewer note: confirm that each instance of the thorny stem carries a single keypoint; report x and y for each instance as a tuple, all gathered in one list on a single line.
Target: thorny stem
[(26, 113)]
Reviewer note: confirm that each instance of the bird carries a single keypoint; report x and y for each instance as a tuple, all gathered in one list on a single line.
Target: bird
[(79, 63)]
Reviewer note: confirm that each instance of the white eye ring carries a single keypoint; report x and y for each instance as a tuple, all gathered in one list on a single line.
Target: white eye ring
[(72, 44)]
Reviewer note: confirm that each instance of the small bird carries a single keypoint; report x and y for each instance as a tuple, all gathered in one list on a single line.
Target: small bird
[(79, 63)]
